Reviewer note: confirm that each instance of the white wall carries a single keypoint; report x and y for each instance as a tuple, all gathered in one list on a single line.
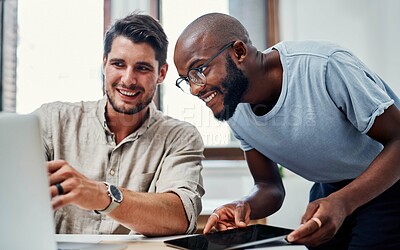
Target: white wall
[(369, 28)]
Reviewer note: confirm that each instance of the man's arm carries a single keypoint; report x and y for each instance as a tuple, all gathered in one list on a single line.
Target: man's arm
[(173, 209), (150, 214), (381, 174), (265, 198)]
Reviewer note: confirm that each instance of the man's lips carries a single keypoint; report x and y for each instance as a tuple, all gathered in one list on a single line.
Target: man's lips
[(128, 93), (208, 96)]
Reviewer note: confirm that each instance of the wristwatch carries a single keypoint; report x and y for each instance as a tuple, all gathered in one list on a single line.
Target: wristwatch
[(116, 198)]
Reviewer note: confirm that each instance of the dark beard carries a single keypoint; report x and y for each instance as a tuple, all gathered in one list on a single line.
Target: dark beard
[(132, 111), (235, 85)]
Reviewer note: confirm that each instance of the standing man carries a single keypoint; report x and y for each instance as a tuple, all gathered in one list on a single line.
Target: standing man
[(317, 110), (118, 165)]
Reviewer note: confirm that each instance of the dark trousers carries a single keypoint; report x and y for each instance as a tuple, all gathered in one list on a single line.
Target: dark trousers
[(375, 225)]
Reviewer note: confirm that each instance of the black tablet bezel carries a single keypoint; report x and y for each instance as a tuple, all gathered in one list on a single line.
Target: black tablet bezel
[(231, 239)]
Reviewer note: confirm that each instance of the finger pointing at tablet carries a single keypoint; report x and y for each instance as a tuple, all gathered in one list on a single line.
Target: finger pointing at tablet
[(229, 216)]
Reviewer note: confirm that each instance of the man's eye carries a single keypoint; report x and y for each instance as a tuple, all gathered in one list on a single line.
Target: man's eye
[(117, 64), (193, 79), (141, 68)]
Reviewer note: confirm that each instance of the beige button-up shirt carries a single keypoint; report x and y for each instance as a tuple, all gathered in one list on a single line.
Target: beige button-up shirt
[(163, 155)]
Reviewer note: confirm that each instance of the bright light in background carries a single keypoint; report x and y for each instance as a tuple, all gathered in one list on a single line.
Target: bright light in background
[(59, 52), (175, 17)]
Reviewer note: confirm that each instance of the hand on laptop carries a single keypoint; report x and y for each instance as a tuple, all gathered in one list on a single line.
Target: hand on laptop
[(68, 186), (229, 216)]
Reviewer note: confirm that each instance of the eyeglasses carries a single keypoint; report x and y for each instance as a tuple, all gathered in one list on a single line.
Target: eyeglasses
[(196, 75)]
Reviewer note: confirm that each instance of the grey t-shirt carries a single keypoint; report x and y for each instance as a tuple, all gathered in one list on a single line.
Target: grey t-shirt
[(317, 129)]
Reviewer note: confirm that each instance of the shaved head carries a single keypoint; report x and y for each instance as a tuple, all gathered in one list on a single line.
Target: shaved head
[(206, 35), (219, 28), (224, 40)]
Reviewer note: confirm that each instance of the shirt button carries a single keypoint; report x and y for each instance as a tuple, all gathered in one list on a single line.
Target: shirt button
[(112, 172)]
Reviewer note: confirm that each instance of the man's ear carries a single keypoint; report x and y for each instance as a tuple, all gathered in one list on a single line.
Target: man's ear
[(104, 64), (162, 74), (240, 49)]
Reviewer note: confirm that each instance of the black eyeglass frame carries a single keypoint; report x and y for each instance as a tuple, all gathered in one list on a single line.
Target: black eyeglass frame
[(200, 69)]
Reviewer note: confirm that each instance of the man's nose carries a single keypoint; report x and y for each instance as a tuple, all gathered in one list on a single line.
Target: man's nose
[(196, 89), (129, 77)]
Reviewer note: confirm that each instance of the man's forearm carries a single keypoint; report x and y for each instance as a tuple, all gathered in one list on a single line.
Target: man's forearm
[(265, 200), (151, 214)]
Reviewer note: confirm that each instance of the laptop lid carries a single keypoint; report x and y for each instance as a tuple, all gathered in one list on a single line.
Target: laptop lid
[(26, 214)]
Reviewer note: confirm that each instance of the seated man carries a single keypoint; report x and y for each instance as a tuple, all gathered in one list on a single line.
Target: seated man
[(118, 165)]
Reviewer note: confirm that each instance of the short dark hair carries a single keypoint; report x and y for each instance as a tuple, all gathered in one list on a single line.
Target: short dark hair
[(139, 28)]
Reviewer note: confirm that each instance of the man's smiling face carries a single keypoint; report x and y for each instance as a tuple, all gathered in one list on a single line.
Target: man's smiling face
[(225, 82), (131, 75)]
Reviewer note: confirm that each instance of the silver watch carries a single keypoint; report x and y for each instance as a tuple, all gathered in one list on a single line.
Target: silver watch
[(116, 198)]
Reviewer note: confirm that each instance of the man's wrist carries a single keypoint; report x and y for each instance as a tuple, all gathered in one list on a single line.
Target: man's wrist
[(115, 196)]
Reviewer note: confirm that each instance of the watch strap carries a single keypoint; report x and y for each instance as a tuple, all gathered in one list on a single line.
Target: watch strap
[(113, 204)]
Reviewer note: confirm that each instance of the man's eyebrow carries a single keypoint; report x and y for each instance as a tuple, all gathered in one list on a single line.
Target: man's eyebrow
[(116, 60), (145, 64), (193, 63), (191, 66)]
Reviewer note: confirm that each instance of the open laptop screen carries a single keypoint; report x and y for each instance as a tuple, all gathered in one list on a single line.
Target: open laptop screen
[(25, 211)]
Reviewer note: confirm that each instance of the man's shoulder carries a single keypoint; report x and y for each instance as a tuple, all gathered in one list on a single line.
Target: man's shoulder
[(67, 109), (173, 124), (59, 105), (308, 47)]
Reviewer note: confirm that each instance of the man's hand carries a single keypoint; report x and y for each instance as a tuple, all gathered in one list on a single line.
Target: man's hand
[(321, 221), (76, 188), (229, 216)]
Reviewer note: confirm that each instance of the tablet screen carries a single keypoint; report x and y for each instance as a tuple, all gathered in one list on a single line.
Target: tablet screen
[(231, 239)]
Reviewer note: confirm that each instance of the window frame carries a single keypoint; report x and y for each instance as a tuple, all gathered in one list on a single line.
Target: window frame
[(8, 55)]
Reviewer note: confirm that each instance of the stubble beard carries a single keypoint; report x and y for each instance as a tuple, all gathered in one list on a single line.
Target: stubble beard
[(128, 111)]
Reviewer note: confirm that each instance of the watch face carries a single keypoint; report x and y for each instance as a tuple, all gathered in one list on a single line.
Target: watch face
[(116, 193)]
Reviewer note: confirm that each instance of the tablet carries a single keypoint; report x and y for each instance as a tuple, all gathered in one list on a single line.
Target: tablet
[(231, 239)]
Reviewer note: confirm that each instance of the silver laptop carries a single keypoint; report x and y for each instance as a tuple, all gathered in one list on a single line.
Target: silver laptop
[(26, 215)]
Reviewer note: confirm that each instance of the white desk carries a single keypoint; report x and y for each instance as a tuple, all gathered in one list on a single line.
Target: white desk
[(131, 242)]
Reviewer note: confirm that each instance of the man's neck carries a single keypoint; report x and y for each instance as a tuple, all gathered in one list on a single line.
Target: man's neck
[(265, 81), (123, 125)]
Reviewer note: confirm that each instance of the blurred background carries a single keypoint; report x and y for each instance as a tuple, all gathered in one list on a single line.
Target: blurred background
[(52, 50)]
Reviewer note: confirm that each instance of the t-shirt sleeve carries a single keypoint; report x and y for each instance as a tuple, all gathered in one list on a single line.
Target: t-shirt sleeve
[(358, 92)]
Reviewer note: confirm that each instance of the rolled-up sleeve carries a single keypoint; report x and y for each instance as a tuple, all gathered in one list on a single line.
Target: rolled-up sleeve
[(181, 170), (358, 92)]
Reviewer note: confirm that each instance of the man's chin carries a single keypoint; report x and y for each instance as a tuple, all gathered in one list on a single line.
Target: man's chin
[(224, 115)]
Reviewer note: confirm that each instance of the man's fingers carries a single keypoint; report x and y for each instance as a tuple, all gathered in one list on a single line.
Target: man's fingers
[(61, 201), (310, 211), (55, 165), (211, 222), (304, 230), (222, 226), (66, 187)]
